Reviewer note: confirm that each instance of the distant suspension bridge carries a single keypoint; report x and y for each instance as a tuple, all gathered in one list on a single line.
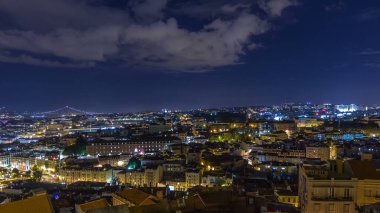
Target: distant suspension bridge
[(67, 110)]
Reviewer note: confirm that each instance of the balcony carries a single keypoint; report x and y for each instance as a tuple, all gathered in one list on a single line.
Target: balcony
[(317, 198)]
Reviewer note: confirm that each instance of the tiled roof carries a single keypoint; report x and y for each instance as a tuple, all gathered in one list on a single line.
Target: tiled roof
[(95, 204), (35, 204), (134, 195)]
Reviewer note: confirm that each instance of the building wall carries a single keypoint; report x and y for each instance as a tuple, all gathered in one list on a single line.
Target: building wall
[(133, 178), (327, 195), (147, 177), (318, 152), (95, 175), (368, 192), (213, 181), (22, 163), (177, 185), (288, 199), (49, 165), (193, 179), (118, 147), (290, 127), (153, 176), (308, 123)]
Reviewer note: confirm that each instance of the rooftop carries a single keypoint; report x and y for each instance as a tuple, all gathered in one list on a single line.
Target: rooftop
[(95, 204), (29, 205), (365, 169), (134, 195)]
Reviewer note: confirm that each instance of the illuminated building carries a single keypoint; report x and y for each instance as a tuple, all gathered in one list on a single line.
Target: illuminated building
[(279, 135), (219, 127), (176, 185), (150, 176), (237, 125), (158, 144), (20, 162), (278, 168), (339, 187), (288, 197), (72, 175), (347, 108), (193, 178), (153, 175), (213, 179), (47, 164), (288, 127), (308, 123), (321, 152), (114, 160), (132, 178)]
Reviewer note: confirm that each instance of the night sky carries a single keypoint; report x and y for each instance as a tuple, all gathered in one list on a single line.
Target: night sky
[(119, 55)]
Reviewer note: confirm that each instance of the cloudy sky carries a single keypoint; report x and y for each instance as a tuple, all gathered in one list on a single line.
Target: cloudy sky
[(132, 55)]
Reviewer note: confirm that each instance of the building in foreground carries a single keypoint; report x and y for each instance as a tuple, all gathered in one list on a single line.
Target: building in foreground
[(39, 203), (339, 186)]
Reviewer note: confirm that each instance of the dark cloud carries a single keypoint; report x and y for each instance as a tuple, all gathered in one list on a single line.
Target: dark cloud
[(82, 33), (275, 8), (30, 60), (233, 8), (149, 9)]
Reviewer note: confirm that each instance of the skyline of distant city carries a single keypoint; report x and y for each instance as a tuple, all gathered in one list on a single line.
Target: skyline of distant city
[(163, 106), (6, 109)]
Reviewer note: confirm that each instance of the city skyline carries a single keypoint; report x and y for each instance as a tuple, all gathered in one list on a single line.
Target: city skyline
[(163, 106), (87, 111), (149, 55)]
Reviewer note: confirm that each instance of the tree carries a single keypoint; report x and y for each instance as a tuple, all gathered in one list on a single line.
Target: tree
[(3, 171), (78, 149), (37, 174), (15, 173)]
